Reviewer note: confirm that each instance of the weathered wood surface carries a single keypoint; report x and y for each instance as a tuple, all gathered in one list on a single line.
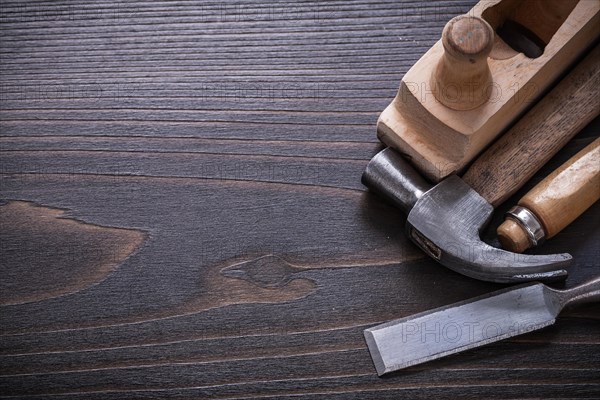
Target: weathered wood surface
[(182, 214)]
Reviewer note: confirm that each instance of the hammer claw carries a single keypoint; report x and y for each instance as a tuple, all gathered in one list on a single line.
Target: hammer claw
[(446, 221), (484, 262)]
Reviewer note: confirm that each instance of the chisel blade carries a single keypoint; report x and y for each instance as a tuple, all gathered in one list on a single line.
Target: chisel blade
[(461, 326)]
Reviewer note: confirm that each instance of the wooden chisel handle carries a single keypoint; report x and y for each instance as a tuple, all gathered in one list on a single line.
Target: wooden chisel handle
[(539, 135), (555, 202)]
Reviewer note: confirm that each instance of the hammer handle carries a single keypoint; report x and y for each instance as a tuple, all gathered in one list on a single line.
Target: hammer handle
[(539, 135)]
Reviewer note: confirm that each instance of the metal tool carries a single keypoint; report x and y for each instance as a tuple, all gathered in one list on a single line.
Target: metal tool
[(553, 203), (458, 327), (446, 220)]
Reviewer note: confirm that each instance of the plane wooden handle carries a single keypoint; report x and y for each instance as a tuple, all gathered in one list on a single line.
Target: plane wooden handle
[(539, 135), (462, 77), (557, 200)]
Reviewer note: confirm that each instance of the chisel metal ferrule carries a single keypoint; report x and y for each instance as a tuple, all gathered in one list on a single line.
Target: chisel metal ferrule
[(528, 220)]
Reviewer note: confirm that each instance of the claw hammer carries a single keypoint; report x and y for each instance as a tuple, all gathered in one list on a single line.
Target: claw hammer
[(445, 220)]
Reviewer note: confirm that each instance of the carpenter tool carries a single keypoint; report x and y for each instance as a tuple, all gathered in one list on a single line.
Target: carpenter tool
[(446, 220), (472, 323), (489, 65), (554, 203)]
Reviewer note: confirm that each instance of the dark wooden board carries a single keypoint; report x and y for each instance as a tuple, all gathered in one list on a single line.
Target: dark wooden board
[(182, 215)]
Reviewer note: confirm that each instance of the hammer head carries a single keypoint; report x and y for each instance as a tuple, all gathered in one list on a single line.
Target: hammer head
[(446, 221)]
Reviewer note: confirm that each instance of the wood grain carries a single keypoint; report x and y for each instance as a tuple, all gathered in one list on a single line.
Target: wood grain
[(38, 249), (514, 158), (212, 153)]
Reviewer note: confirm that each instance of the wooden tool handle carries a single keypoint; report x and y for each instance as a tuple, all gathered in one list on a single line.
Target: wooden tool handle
[(462, 78), (559, 199), (539, 135)]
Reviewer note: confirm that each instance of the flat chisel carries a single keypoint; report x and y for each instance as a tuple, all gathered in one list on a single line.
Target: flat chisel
[(472, 323)]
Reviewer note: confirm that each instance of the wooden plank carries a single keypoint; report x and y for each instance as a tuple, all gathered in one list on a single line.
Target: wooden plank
[(182, 217)]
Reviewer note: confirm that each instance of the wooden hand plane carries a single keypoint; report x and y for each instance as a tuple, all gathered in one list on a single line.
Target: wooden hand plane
[(481, 76)]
